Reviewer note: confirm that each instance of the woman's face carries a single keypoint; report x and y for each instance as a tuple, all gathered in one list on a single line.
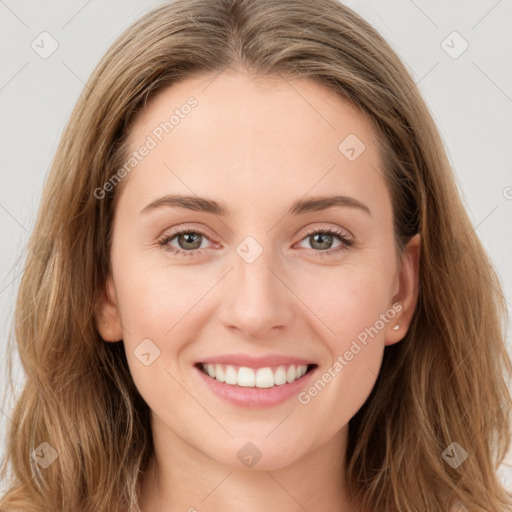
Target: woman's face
[(252, 274)]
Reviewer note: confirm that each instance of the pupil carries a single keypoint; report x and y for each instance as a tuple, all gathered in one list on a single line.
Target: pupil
[(325, 237), (190, 238)]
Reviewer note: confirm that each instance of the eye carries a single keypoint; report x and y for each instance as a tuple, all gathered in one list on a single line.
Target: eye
[(189, 242), (322, 239)]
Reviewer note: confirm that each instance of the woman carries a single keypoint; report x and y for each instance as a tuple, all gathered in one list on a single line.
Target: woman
[(253, 283)]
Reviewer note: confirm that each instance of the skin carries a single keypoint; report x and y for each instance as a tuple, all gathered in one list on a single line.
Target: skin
[(255, 146)]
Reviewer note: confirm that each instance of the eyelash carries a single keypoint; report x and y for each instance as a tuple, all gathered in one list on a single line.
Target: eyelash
[(346, 242)]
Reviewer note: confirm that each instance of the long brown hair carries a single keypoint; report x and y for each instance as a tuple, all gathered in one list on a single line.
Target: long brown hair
[(445, 382)]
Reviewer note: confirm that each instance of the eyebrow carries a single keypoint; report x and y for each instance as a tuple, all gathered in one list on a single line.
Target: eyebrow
[(299, 207)]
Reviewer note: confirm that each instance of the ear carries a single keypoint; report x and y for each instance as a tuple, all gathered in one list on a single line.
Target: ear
[(406, 297), (108, 320)]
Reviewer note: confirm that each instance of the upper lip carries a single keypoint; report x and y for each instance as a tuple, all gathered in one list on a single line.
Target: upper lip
[(255, 362)]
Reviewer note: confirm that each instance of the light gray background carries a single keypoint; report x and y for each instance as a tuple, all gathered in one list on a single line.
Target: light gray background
[(470, 98)]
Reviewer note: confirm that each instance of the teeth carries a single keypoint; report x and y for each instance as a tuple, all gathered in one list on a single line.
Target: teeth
[(250, 378)]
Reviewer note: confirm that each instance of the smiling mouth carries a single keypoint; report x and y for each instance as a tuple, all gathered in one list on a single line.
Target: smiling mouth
[(265, 377)]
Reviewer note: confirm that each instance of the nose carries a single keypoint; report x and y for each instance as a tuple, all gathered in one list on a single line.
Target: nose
[(257, 300)]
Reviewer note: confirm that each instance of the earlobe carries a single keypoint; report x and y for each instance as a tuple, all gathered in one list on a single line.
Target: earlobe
[(108, 321), (408, 289)]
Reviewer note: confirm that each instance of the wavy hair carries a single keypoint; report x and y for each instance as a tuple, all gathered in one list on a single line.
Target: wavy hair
[(445, 381)]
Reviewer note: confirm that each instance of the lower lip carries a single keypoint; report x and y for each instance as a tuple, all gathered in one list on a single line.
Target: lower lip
[(256, 397)]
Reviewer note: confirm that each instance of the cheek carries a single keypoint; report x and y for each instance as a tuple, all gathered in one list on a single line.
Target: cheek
[(355, 346), (356, 315), (354, 308), (147, 305), (342, 388), (154, 296), (347, 299), (157, 308), (162, 310)]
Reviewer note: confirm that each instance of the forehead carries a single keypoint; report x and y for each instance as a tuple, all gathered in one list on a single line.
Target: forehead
[(247, 139)]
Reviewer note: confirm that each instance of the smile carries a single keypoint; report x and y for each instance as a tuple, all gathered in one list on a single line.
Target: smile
[(265, 377)]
